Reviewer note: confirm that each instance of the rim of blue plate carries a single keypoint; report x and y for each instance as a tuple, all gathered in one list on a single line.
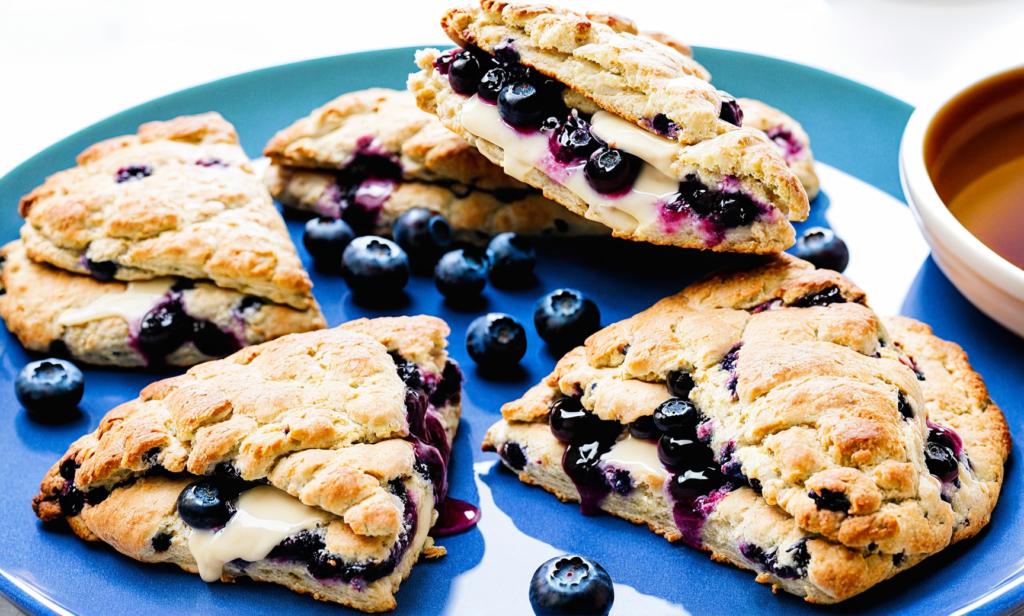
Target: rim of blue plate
[(877, 129)]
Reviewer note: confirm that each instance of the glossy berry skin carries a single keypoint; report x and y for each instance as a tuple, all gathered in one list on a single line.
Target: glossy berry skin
[(464, 73), (571, 423), (677, 416), (571, 584), (823, 248), (496, 340), (941, 461), (643, 427), (521, 104), (423, 235), (204, 505), (692, 483), (461, 274), (512, 258), (492, 83), (164, 329), (326, 239), (610, 171), (50, 386), (374, 266), (565, 317), (573, 140), (683, 452), (679, 383), (731, 111)]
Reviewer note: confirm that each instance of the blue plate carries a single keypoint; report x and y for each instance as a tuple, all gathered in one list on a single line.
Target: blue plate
[(47, 570)]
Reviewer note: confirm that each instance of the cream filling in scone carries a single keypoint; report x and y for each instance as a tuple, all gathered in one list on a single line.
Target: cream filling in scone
[(771, 418)]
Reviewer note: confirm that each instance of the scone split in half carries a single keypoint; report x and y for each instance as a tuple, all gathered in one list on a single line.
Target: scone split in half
[(159, 247), (770, 417), (317, 461), (368, 156), (614, 125)]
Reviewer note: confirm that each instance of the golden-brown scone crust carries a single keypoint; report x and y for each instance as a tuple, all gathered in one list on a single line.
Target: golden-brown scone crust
[(201, 213), (788, 136), (811, 402), (475, 216), (320, 415), (36, 294)]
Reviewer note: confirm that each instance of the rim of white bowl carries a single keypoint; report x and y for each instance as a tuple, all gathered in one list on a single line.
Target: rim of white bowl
[(933, 216)]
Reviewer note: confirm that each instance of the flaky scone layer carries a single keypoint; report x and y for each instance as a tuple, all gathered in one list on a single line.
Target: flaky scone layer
[(36, 295), (789, 137), (177, 199), (802, 401)]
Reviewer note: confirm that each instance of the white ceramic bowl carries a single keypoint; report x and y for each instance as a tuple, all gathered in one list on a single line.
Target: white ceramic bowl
[(989, 281)]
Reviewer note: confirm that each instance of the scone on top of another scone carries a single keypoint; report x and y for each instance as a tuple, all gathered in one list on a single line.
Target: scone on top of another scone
[(317, 461), (612, 124), (368, 156), (159, 247), (769, 416)]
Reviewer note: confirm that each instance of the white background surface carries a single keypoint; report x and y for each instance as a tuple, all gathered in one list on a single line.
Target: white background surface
[(65, 64)]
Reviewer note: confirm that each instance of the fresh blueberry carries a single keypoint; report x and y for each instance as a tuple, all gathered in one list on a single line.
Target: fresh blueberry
[(204, 505), (571, 585), (132, 172), (823, 248), (731, 111), (644, 427), (677, 416), (514, 456), (693, 483), (104, 271), (679, 383), (492, 83), (828, 295), (512, 258), (461, 274), (164, 329), (212, 340), (610, 171), (678, 451), (51, 386), (565, 317), (464, 73), (374, 266), (941, 461), (423, 235), (728, 209), (521, 104), (496, 340), (326, 240), (570, 422), (574, 141)]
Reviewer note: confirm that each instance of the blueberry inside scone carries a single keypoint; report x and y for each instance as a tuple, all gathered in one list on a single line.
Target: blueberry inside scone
[(370, 155), (317, 461), (770, 417), (614, 125)]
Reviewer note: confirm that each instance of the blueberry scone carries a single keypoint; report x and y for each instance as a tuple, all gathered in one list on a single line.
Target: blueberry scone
[(770, 417), (368, 156), (177, 199), (614, 125), (316, 461), (175, 321)]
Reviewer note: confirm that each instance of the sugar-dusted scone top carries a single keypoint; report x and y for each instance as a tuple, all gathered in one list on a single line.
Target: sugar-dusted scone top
[(798, 402), (37, 295), (200, 213)]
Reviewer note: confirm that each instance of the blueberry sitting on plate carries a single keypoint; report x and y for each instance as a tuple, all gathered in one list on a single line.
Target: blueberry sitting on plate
[(496, 340), (564, 318), (49, 386), (571, 585), (326, 240), (512, 258), (374, 266), (204, 505), (461, 274), (823, 248), (423, 235)]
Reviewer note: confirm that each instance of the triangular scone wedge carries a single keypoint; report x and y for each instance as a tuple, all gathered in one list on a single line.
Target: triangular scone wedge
[(620, 128), (368, 156), (801, 436), (177, 199), (348, 430), (54, 311)]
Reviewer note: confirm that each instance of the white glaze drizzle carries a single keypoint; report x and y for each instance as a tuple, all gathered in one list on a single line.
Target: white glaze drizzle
[(634, 454), (131, 304)]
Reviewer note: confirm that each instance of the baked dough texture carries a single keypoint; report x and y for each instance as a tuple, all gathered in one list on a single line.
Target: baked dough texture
[(320, 415), (433, 167), (789, 138), (637, 78), (36, 295), (179, 198), (799, 404)]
